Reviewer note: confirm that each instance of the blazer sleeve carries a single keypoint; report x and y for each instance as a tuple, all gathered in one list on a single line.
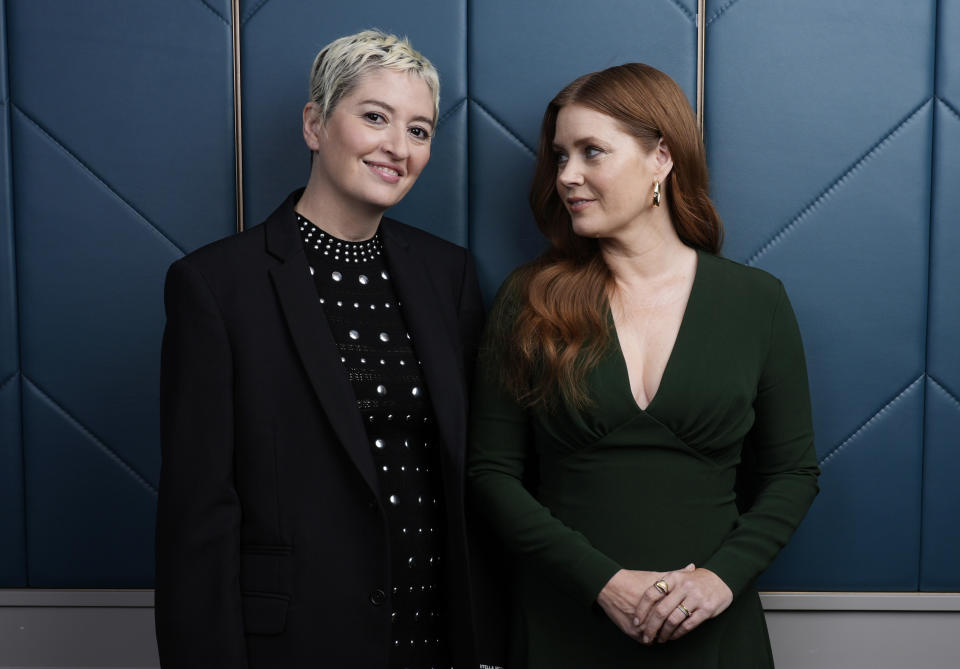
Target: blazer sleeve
[(198, 611), (500, 447), (782, 459)]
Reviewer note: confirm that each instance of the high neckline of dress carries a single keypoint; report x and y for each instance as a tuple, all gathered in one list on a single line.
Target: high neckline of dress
[(338, 249)]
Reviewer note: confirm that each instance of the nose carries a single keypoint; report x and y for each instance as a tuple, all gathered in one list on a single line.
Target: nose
[(396, 142), (569, 174)]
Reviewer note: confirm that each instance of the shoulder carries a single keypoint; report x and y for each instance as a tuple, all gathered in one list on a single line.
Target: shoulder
[(423, 241), (243, 255), (225, 259), (449, 266), (732, 281)]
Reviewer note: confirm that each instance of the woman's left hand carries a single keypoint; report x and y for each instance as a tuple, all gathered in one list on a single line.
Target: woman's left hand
[(661, 617)]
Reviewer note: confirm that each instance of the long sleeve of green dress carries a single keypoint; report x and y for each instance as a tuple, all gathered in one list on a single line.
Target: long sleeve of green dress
[(502, 436)]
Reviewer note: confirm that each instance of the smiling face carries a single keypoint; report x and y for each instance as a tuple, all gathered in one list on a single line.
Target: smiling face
[(604, 177), (375, 143)]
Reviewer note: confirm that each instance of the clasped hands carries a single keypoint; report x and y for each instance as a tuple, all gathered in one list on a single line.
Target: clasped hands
[(647, 613)]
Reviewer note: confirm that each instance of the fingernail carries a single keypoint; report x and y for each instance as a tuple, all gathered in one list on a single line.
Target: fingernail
[(646, 639), (636, 621)]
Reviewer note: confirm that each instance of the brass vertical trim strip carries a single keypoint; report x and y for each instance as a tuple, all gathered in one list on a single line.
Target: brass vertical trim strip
[(237, 114), (701, 54)]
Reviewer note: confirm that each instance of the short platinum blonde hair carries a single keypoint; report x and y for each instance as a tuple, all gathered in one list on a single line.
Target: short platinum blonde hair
[(340, 65)]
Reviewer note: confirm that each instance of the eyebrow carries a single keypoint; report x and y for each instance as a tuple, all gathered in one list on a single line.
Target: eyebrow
[(580, 142), (389, 108)]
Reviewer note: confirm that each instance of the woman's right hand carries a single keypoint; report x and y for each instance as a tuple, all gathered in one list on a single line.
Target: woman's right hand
[(621, 596)]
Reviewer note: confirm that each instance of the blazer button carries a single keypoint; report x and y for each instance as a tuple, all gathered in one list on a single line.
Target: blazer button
[(378, 597)]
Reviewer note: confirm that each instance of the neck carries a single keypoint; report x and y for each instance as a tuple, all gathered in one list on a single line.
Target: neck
[(649, 250), (330, 212)]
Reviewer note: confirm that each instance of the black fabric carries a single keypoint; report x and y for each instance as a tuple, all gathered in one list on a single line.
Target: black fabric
[(377, 352)]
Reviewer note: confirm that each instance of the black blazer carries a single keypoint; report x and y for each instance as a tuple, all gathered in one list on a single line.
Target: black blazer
[(272, 545)]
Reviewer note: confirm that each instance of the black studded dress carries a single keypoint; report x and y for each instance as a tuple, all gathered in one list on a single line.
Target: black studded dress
[(354, 287)]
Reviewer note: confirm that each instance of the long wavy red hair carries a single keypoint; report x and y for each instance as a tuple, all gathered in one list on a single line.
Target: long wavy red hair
[(560, 329)]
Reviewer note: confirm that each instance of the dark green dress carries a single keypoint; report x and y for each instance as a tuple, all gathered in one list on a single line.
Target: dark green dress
[(621, 487)]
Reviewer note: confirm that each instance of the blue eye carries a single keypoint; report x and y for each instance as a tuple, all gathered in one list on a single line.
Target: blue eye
[(592, 152), (561, 158)]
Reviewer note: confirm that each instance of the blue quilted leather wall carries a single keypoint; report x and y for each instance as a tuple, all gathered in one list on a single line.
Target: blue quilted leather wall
[(122, 145), (13, 566), (819, 126), (940, 551), (833, 136)]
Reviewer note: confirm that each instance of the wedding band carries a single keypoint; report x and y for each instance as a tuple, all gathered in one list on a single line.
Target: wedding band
[(683, 610), (662, 586)]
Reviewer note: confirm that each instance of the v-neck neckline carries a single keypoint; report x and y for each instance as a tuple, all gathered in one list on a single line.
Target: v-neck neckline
[(677, 342)]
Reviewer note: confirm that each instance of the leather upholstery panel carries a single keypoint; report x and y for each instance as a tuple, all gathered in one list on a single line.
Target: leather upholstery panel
[(838, 75), (88, 514), (856, 536), (138, 98), (940, 552), (12, 558), (834, 156), (820, 165), (122, 138)]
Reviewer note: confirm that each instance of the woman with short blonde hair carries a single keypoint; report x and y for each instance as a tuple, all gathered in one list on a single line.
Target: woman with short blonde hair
[(314, 405)]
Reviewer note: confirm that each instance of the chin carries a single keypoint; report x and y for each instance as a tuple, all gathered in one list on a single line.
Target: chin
[(384, 200), (583, 229)]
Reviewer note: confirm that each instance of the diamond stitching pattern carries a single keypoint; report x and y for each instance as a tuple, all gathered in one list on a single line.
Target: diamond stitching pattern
[(838, 448), (782, 234), (450, 112), (9, 379), (686, 12), (949, 107), (83, 429), (503, 126), (833, 187), (96, 177), (721, 11), (256, 8), (215, 12), (939, 386)]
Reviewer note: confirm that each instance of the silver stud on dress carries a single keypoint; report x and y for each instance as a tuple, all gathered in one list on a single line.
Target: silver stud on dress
[(354, 335), (381, 389), (384, 337), (336, 276), (363, 279)]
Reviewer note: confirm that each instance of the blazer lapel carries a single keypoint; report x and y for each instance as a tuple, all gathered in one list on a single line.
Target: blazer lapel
[(434, 340), (312, 337)]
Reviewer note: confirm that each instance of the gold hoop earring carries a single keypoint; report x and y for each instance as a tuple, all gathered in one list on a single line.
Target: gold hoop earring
[(656, 193)]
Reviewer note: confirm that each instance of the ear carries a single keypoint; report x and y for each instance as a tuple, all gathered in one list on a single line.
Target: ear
[(663, 159), (313, 130)]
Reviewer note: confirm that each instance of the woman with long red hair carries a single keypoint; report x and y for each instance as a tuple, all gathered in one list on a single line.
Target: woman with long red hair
[(641, 437)]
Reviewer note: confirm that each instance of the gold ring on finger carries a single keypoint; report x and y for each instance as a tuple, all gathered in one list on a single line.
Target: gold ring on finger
[(684, 610), (662, 586)]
